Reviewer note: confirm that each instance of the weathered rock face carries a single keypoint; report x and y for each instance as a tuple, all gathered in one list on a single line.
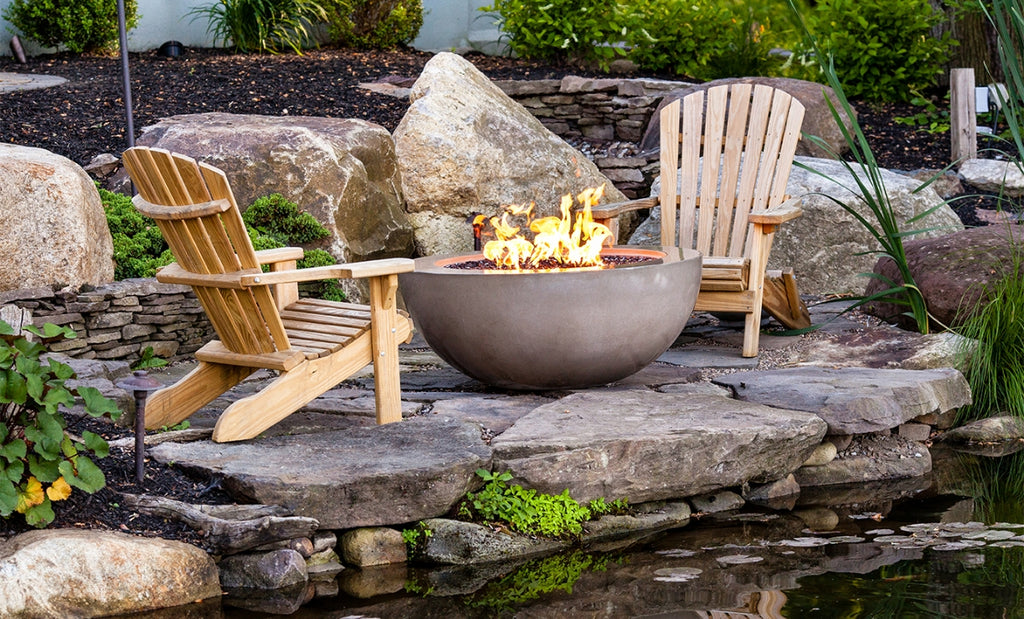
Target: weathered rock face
[(952, 272), (854, 400), (650, 446), (366, 476), (343, 172), (990, 430), (54, 228), (995, 176), (823, 245), (818, 119), (465, 147), (73, 573), (870, 458)]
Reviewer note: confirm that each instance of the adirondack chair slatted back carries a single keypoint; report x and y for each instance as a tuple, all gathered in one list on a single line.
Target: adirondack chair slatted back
[(733, 147), (209, 241)]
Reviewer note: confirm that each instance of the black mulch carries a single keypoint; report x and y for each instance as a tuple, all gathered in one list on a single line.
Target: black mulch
[(85, 117)]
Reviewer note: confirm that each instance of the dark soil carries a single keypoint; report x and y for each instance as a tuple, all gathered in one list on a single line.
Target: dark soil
[(85, 117)]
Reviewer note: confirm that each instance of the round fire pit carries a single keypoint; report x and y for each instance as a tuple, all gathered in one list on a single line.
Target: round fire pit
[(553, 330)]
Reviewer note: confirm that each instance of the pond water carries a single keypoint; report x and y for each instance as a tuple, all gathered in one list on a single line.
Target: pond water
[(950, 544)]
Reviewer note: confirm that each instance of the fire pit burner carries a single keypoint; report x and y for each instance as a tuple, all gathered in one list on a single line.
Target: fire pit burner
[(553, 329)]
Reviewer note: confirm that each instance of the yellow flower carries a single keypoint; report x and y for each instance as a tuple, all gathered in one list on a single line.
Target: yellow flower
[(31, 496), (58, 490)]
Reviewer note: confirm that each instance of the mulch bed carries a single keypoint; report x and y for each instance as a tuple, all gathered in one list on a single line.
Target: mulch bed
[(85, 118)]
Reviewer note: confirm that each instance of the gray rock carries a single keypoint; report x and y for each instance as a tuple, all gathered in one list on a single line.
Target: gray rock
[(823, 454), (647, 517), (785, 487), (276, 569), (363, 476), (715, 502), (63, 238), (344, 172), (870, 458), (854, 400), (464, 147), (995, 176), (74, 573), (647, 446), (493, 412), (990, 430), (461, 543), (373, 546)]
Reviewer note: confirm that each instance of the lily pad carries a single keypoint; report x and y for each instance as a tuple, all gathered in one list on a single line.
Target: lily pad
[(738, 559), (804, 542), (677, 574)]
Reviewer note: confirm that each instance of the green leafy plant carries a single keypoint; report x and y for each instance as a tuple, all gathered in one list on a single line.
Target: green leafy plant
[(1007, 16), (992, 356), (181, 425), (139, 249), (562, 30), (80, 26), (682, 37), (415, 537), (931, 118), (41, 463), (524, 510), (262, 25), (535, 579), (274, 221), (148, 359), (599, 507), (877, 217), (882, 50), (374, 24)]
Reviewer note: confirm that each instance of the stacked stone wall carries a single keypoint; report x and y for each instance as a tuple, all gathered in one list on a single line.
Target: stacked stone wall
[(116, 321)]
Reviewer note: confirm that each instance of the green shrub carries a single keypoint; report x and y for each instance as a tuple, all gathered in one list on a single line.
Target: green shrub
[(562, 30), (883, 51), (41, 463), (262, 25), (680, 36), (374, 24), (524, 510), (992, 360), (79, 26), (139, 249)]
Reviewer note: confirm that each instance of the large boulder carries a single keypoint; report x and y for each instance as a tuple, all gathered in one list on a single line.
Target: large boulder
[(75, 573), (827, 246), (952, 272), (465, 147), (341, 171), (818, 119), (54, 229)]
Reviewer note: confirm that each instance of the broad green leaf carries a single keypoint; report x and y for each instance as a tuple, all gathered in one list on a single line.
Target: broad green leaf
[(50, 331), (96, 443), (13, 472), (17, 388), (8, 497), (50, 424), (84, 475), (61, 371), (57, 396), (13, 449), (96, 404), (6, 329), (40, 515), (67, 447), (46, 470)]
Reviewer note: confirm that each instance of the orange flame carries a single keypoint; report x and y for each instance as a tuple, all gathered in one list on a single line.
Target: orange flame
[(566, 241)]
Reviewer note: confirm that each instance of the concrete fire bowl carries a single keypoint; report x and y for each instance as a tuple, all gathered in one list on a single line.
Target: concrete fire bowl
[(553, 330)]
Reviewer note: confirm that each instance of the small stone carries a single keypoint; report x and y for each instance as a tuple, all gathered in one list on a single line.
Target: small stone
[(270, 570), (373, 546), (822, 454), (717, 502)]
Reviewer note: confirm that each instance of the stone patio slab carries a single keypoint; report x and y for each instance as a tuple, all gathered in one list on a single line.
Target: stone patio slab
[(854, 400), (647, 446), (363, 476)]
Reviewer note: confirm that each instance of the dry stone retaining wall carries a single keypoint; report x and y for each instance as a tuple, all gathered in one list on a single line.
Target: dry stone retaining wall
[(117, 320)]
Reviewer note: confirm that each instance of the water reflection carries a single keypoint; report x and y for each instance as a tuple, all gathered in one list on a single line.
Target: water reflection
[(950, 544)]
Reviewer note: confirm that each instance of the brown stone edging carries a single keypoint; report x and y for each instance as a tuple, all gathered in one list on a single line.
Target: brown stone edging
[(115, 321)]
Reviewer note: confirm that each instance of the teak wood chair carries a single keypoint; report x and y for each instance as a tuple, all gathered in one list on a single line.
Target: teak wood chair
[(723, 192), (260, 319)]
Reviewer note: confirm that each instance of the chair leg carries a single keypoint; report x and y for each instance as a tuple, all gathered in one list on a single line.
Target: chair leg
[(751, 333), (387, 387), (290, 391), (198, 388)]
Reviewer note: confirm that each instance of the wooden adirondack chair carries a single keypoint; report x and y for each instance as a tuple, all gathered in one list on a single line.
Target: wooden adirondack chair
[(261, 322), (723, 183)]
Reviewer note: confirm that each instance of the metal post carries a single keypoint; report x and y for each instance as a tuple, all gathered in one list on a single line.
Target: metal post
[(123, 40), (140, 384)]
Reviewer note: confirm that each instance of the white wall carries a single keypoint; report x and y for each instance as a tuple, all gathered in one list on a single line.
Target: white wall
[(447, 24)]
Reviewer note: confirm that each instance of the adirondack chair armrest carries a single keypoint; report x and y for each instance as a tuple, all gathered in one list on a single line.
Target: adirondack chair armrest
[(611, 211), (279, 254), (369, 268), (173, 273), (790, 209)]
